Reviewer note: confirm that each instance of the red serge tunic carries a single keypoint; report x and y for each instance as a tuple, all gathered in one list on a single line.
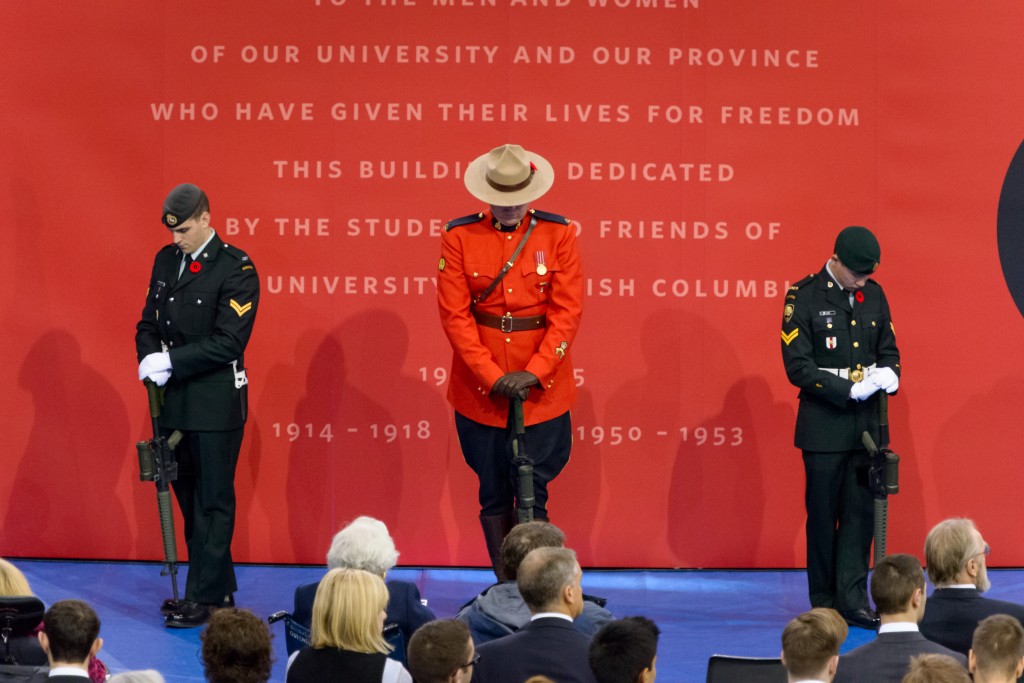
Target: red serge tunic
[(472, 254)]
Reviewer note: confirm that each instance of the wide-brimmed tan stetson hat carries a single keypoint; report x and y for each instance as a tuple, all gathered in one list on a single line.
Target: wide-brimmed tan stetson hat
[(509, 176)]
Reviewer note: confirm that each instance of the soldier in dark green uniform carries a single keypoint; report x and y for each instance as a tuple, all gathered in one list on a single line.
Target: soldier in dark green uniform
[(839, 349), (198, 316)]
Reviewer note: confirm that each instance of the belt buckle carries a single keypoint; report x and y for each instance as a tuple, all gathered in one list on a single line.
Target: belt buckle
[(508, 317), (856, 375)]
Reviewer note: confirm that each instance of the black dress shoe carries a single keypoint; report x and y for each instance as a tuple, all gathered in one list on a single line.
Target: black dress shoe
[(170, 605), (191, 615), (863, 618)]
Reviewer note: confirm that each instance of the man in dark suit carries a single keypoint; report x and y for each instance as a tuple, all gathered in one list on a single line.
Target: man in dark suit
[(997, 650), (956, 555), (625, 651), (70, 638), (499, 610), (549, 581), (199, 313), (897, 587), (810, 645), (839, 349)]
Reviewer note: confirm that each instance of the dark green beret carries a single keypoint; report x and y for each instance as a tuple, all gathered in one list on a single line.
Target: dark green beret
[(858, 249), (180, 204)]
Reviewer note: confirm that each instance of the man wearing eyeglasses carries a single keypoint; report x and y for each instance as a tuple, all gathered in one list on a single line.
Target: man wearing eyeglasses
[(442, 651), (839, 349), (957, 558)]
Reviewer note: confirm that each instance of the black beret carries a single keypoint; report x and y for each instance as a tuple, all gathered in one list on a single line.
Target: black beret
[(858, 249), (180, 204)]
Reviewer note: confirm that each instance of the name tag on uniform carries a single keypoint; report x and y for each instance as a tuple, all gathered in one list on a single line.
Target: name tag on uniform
[(824, 313)]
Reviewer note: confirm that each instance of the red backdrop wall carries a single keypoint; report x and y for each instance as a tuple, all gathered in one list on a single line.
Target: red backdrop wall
[(710, 153)]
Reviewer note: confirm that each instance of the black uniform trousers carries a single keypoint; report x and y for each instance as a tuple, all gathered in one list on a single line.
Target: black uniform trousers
[(206, 495), (839, 528), (488, 451)]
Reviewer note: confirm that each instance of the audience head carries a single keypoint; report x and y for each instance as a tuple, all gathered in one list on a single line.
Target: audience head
[(935, 669), (236, 647), (549, 581), (140, 676), (997, 652), (625, 651), (13, 583), (364, 544), (348, 611), (71, 633), (897, 586), (955, 552), (526, 537), (539, 679), (810, 644), (441, 652)]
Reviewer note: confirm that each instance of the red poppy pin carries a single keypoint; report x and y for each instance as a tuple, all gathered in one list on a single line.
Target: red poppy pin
[(859, 296), (196, 266)]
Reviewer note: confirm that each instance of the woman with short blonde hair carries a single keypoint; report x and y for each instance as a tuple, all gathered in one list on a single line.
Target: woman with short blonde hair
[(347, 634)]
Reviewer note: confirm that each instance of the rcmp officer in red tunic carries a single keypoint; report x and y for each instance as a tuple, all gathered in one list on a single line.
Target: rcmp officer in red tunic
[(510, 293), (839, 349), (199, 313)]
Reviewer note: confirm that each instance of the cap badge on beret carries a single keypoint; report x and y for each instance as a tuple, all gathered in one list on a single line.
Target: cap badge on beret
[(171, 219)]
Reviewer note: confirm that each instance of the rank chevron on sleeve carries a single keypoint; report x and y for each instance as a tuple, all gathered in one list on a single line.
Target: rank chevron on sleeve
[(788, 338), (242, 309)]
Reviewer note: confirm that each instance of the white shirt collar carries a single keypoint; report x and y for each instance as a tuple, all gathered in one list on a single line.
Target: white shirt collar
[(898, 627), (544, 615), (962, 585), (69, 671)]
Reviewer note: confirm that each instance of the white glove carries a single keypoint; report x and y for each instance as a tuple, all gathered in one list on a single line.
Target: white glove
[(160, 378), (861, 390), (153, 363), (885, 378)]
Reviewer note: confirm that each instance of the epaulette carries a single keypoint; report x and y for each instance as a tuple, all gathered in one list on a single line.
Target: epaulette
[(465, 220), (803, 282), (235, 252), (551, 217)]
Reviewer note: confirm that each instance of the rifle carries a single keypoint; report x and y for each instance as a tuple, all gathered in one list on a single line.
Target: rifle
[(883, 475), (157, 464), (522, 462)]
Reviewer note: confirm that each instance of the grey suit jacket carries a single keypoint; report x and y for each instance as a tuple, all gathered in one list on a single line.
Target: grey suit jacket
[(887, 657)]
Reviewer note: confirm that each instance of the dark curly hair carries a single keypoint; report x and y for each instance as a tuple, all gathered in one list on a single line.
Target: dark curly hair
[(236, 647)]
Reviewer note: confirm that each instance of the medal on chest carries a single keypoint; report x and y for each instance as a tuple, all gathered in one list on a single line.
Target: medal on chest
[(542, 268)]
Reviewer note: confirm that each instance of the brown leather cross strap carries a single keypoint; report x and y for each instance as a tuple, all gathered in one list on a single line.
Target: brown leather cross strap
[(507, 267), (507, 323)]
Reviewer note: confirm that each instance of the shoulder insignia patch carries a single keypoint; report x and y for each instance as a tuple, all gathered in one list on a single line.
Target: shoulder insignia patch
[(249, 267), (787, 313), (788, 338), (465, 220), (240, 309)]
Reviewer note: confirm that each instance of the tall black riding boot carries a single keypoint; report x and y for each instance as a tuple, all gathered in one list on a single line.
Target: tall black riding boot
[(496, 528)]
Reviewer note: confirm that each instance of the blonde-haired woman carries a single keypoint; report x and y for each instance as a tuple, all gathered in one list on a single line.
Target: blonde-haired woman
[(347, 634), (13, 583)]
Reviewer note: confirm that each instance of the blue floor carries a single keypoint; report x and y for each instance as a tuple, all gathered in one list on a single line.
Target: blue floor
[(699, 612)]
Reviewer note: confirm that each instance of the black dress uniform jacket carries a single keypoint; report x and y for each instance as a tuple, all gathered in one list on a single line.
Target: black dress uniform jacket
[(820, 329), (204, 319)]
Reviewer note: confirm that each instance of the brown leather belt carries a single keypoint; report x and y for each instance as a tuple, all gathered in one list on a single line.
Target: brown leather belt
[(506, 323)]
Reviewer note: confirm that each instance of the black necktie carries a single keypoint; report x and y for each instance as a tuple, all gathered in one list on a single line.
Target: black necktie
[(185, 263)]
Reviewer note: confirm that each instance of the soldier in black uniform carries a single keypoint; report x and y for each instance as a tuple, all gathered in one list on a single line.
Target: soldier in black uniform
[(199, 312), (839, 349)]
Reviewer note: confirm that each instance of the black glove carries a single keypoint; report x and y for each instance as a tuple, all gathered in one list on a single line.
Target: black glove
[(515, 384)]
